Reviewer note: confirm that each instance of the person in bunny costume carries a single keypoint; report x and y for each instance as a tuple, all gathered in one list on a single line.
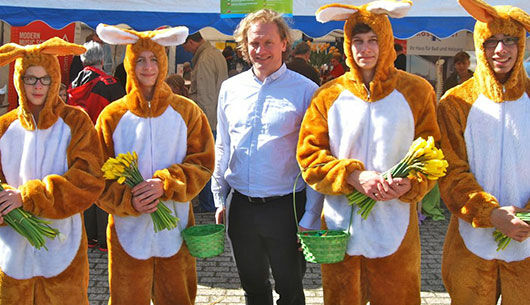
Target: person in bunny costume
[(51, 160), (175, 148), (485, 135), (358, 126)]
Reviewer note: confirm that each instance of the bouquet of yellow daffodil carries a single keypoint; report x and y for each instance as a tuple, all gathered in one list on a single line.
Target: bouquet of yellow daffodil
[(502, 240), (124, 168), (422, 160), (31, 227)]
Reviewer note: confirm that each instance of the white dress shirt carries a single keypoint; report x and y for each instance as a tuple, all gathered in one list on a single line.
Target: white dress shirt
[(257, 132)]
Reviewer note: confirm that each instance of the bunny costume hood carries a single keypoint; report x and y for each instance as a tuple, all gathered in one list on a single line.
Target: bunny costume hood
[(44, 55)]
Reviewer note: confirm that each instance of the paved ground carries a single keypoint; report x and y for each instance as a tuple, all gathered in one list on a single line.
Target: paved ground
[(219, 283)]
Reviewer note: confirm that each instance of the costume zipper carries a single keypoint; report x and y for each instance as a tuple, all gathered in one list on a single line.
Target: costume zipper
[(503, 127), (150, 139), (367, 92), (36, 145), (368, 131)]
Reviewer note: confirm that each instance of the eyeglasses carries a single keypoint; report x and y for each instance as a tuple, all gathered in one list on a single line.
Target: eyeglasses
[(506, 41), (32, 80)]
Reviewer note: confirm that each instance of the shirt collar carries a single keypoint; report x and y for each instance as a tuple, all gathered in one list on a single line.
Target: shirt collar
[(275, 75)]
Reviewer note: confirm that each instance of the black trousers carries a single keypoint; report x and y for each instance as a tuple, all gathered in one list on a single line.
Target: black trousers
[(264, 235), (96, 224)]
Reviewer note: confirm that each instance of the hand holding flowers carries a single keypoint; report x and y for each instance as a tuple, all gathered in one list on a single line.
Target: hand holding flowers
[(124, 168), (423, 160), (146, 194), (24, 223), (510, 223), (373, 185)]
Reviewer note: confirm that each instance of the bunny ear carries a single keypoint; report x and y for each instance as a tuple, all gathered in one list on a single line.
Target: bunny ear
[(394, 9), (337, 12), (114, 35), (480, 10), (10, 52), (520, 16), (171, 37), (59, 47)]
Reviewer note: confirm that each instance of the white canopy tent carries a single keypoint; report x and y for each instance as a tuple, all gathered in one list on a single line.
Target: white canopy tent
[(439, 17)]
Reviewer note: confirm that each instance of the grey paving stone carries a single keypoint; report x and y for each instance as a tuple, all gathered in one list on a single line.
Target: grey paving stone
[(219, 282)]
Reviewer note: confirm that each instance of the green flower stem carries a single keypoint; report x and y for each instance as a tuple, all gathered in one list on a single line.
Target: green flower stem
[(502, 240), (32, 228)]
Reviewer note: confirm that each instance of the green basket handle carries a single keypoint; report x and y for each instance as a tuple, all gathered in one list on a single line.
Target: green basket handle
[(294, 198)]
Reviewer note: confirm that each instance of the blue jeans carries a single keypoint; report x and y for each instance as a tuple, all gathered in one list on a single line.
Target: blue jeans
[(206, 203), (206, 198)]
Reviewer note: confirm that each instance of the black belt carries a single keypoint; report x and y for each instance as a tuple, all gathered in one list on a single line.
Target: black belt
[(259, 200)]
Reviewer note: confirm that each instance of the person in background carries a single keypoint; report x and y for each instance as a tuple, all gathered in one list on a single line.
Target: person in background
[(259, 116), (186, 71), (461, 73), (120, 75), (337, 67), (177, 84), (229, 54), (3, 92), (300, 62), (93, 90), (209, 71), (401, 59), (241, 63), (485, 134), (77, 65), (63, 94)]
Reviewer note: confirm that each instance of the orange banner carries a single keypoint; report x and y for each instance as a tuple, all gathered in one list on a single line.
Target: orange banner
[(35, 33)]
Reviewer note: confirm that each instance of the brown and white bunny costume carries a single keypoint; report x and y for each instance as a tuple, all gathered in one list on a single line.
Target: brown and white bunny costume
[(174, 143), (54, 161), (350, 126), (485, 134)]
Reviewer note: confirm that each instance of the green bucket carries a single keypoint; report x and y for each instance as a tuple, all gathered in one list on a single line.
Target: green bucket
[(324, 246), (205, 240)]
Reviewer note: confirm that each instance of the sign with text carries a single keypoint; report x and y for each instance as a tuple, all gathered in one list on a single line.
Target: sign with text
[(239, 8), (428, 45), (35, 33)]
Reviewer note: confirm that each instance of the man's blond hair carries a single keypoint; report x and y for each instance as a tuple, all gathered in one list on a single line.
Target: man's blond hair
[(262, 16)]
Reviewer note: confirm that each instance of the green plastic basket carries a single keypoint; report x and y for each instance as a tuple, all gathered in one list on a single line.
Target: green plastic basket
[(324, 246), (205, 240)]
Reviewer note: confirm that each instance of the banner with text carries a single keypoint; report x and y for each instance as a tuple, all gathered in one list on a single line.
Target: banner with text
[(239, 8), (428, 45)]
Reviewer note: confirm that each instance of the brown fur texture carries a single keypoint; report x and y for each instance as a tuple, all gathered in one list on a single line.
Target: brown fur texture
[(174, 279), (482, 284), (468, 278), (460, 191), (69, 287), (390, 280)]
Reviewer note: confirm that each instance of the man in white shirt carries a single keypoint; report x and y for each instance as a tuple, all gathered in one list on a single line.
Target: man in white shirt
[(259, 117)]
